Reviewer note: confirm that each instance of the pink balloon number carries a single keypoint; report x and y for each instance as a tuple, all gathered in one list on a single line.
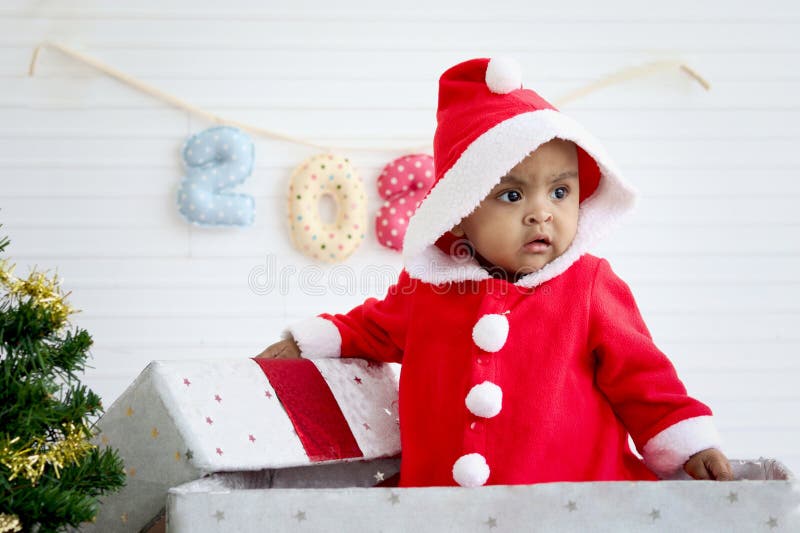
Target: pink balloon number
[(403, 184)]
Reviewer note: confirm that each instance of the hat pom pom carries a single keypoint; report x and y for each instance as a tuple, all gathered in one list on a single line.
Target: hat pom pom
[(503, 75)]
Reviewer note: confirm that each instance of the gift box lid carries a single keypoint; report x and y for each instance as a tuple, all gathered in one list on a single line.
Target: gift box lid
[(181, 420), (233, 417)]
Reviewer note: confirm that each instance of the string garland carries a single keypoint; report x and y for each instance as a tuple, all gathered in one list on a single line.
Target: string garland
[(630, 74), (620, 76)]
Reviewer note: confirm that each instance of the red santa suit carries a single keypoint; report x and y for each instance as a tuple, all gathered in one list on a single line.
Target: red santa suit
[(514, 383)]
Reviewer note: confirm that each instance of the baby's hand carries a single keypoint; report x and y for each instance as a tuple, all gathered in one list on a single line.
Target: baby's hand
[(285, 349), (709, 464)]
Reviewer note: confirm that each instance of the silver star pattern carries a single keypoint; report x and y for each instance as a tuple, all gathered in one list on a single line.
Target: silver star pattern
[(300, 516), (394, 498), (772, 522), (492, 522), (378, 476), (733, 497), (572, 506), (219, 515), (655, 514)]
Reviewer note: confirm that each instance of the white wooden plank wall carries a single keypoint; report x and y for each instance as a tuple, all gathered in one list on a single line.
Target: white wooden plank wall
[(89, 168)]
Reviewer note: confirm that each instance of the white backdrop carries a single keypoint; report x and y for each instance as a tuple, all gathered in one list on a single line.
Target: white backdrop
[(89, 168)]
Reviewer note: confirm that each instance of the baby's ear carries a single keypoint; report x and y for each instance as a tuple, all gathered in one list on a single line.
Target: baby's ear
[(457, 231)]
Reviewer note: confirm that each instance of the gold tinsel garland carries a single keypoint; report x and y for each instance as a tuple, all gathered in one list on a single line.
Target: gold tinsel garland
[(9, 523), (46, 292), (31, 459)]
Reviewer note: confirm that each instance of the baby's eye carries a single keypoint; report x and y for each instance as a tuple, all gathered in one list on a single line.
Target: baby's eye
[(513, 196), (560, 193)]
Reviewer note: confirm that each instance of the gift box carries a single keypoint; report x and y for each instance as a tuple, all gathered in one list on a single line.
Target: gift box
[(287, 422), (249, 445), (764, 498)]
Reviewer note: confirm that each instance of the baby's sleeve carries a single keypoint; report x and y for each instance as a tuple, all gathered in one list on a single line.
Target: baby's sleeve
[(666, 424), (375, 329)]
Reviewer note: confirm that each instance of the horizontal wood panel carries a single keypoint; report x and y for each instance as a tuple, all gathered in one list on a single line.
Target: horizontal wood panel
[(192, 330), (665, 328), (756, 154), (40, 180), (728, 358), (179, 241), (661, 273), (423, 34), (131, 125), (299, 294), (624, 10), (134, 211), (389, 64), (660, 91)]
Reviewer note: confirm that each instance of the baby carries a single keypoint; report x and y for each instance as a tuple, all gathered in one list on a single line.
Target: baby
[(525, 359)]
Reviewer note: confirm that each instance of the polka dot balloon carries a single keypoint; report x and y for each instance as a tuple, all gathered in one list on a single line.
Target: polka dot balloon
[(330, 175), (216, 160), (403, 184)]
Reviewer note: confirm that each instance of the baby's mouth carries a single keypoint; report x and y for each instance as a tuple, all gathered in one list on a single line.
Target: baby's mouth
[(540, 243), (540, 237)]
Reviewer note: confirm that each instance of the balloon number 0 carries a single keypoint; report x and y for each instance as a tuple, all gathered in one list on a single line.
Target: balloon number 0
[(216, 160)]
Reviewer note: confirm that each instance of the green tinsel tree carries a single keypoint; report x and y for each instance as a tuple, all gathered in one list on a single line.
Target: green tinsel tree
[(50, 474)]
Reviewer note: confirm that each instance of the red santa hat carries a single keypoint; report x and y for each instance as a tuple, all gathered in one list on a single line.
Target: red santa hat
[(487, 124)]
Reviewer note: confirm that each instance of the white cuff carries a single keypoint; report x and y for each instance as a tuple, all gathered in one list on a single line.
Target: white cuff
[(316, 337), (668, 451)]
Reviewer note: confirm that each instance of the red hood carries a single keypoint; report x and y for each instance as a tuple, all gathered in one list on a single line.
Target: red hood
[(589, 175)]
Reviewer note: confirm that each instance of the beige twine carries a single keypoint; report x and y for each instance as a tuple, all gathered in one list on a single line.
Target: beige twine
[(612, 79)]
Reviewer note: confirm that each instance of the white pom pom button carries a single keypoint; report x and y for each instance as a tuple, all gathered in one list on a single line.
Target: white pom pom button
[(503, 75), (485, 400), (490, 332), (471, 470)]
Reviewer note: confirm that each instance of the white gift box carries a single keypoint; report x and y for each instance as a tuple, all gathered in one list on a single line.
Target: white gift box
[(764, 499), (182, 420), (212, 442)]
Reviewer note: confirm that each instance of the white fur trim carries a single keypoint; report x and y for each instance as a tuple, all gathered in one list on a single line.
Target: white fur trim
[(668, 451), (434, 266), (485, 400), (471, 470), (490, 332), (503, 75), (317, 338), (480, 168)]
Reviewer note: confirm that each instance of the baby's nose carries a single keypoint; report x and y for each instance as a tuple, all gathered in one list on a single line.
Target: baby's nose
[(540, 217)]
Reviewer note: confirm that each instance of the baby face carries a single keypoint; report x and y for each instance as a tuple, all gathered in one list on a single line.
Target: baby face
[(531, 216)]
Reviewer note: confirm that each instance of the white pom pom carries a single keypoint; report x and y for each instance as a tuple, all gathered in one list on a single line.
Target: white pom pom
[(490, 332), (503, 75), (471, 470), (485, 400)]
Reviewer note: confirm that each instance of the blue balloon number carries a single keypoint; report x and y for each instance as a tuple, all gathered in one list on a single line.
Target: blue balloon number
[(216, 160)]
